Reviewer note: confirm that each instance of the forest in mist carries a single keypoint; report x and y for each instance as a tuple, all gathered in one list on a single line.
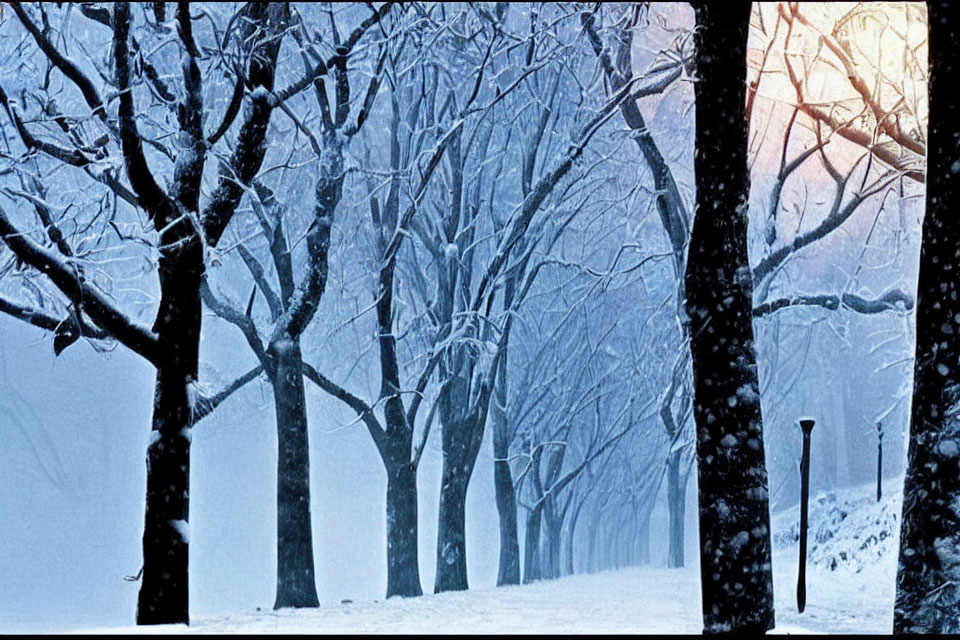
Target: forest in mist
[(306, 304)]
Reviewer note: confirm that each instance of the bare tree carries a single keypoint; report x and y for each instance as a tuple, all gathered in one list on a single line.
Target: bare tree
[(815, 119), (292, 304), (928, 574), (735, 556), (182, 231), (425, 122)]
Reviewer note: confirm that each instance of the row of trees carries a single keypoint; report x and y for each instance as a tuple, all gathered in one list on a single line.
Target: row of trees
[(453, 174), (448, 168)]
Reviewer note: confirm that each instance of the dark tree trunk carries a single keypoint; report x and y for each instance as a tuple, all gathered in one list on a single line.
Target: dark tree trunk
[(164, 592), (459, 459), (296, 585), (677, 507), (451, 537), (735, 564), (509, 572), (928, 576), (403, 564), (461, 434), (568, 556), (531, 550)]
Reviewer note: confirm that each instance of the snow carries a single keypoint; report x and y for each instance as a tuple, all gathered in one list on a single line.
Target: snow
[(851, 569), (639, 599), (262, 93), (193, 392), (948, 449), (852, 546), (183, 528)]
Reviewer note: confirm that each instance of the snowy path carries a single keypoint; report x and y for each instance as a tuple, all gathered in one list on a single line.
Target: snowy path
[(633, 600), (850, 589), (836, 603)]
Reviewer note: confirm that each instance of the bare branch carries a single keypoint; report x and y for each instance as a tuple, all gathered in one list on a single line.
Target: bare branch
[(363, 410), (893, 300), (87, 297)]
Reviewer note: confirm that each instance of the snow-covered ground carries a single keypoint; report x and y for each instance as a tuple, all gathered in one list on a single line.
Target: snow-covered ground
[(850, 588), (627, 601), (852, 547)]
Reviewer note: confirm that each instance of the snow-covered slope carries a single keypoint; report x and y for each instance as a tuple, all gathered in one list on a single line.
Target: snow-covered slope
[(852, 550), (849, 531)]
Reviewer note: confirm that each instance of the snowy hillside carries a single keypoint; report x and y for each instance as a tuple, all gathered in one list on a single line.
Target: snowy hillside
[(850, 532), (852, 548), (851, 568)]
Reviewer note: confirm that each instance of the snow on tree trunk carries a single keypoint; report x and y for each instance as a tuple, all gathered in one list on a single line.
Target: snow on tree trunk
[(296, 586), (735, 563), (164, 592), (928, 576)]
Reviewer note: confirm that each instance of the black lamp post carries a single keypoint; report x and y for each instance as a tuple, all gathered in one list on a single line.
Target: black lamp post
[(879, 458), (806, 424)]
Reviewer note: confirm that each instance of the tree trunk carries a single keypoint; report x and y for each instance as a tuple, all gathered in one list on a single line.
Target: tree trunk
[(164, 592), (459, 458), (531, 550), (451, 537), (592, 562), (735, 563), (549, 552), (572, 536), (928, 576), (296, 585), (643, 552), (462, 424), (403, 564), (676, 503), (509, 572)]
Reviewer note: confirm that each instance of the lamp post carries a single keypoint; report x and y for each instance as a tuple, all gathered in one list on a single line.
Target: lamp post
[(806, 424), (879, 458)]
